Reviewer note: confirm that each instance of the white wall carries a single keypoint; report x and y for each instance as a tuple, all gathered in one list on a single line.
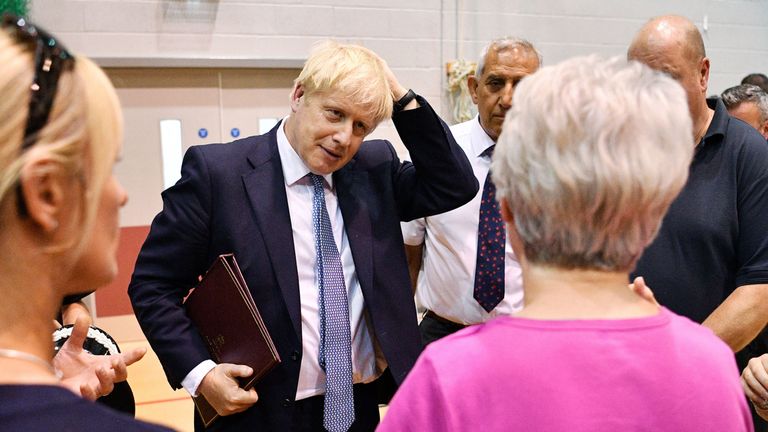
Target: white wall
[(736, 35), (417, 38)]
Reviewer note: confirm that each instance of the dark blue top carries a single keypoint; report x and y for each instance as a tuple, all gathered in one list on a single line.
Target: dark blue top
[(715, 236), (44, 408)]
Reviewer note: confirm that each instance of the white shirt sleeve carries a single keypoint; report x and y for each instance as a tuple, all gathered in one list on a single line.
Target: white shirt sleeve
[(193, 379), (413, 231)]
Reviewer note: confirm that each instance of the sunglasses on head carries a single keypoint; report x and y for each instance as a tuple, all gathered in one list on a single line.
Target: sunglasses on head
[(51, 58)]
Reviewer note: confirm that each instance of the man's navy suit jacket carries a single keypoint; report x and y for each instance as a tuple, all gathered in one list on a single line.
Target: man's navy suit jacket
[(231, 199)]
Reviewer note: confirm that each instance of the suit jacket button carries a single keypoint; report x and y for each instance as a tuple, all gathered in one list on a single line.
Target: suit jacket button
[(295, 356), (287, 402)]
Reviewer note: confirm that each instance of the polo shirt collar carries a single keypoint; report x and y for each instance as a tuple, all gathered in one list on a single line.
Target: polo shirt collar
[(720, 120)]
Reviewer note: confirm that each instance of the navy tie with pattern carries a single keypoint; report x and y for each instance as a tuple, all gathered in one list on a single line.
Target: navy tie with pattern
[(491, 239), (335, 355)]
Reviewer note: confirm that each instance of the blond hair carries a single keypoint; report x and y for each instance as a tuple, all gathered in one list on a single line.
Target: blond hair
[(590, 166), (352, 70), (81, 135)]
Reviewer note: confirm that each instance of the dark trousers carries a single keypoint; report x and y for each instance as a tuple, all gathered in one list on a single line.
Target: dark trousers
[(434, 327), (309, 412)]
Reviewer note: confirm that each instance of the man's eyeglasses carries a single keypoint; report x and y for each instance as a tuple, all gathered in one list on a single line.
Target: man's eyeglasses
[(51, 58)]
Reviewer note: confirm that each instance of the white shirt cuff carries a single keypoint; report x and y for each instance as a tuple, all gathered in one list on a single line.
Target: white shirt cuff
[(413, 231), (193, 379)]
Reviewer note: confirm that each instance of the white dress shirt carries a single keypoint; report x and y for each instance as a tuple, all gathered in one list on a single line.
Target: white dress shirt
[(446, 282), (299, 191)]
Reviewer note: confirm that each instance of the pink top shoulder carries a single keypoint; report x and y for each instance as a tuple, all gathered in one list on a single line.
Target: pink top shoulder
[(659, 373)]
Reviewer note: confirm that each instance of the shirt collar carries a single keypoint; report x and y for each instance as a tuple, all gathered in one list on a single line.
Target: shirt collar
[(294, 168), (480, 139), (720, 119)]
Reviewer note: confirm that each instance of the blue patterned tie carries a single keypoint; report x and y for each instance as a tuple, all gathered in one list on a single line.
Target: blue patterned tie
[(335, 336), (491, 239)]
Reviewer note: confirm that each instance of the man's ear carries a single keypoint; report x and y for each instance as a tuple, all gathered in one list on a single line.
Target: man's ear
[(296, 96), (472, 84), (43, 190), (704, 74), (764, 130), (506, 213)]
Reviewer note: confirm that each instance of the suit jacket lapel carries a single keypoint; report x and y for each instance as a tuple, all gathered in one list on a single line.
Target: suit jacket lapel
[(352, 191), (265, 186)]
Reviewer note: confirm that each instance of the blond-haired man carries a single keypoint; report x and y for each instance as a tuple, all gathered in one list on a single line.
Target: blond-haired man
[(312, 213)]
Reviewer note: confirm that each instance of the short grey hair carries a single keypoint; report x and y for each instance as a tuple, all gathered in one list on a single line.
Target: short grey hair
[(739, 94), (503, 44), (590, 166)]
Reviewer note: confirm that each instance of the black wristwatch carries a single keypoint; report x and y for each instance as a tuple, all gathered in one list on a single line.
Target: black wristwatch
[(405, 100)]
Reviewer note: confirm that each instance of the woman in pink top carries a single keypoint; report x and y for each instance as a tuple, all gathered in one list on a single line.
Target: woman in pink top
[(591, 156)]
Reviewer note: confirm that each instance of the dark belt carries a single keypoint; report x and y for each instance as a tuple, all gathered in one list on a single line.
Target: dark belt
[(442, 320)]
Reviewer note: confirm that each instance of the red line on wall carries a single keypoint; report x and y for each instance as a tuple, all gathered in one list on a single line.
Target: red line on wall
[(112, 299)]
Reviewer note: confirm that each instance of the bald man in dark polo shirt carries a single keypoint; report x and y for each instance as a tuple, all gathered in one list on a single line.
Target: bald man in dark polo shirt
[(710, 259)]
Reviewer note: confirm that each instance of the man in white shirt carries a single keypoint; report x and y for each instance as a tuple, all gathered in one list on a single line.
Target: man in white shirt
[(446, 246)]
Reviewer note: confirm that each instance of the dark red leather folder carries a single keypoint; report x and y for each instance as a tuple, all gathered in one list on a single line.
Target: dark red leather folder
[(223, 310)]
